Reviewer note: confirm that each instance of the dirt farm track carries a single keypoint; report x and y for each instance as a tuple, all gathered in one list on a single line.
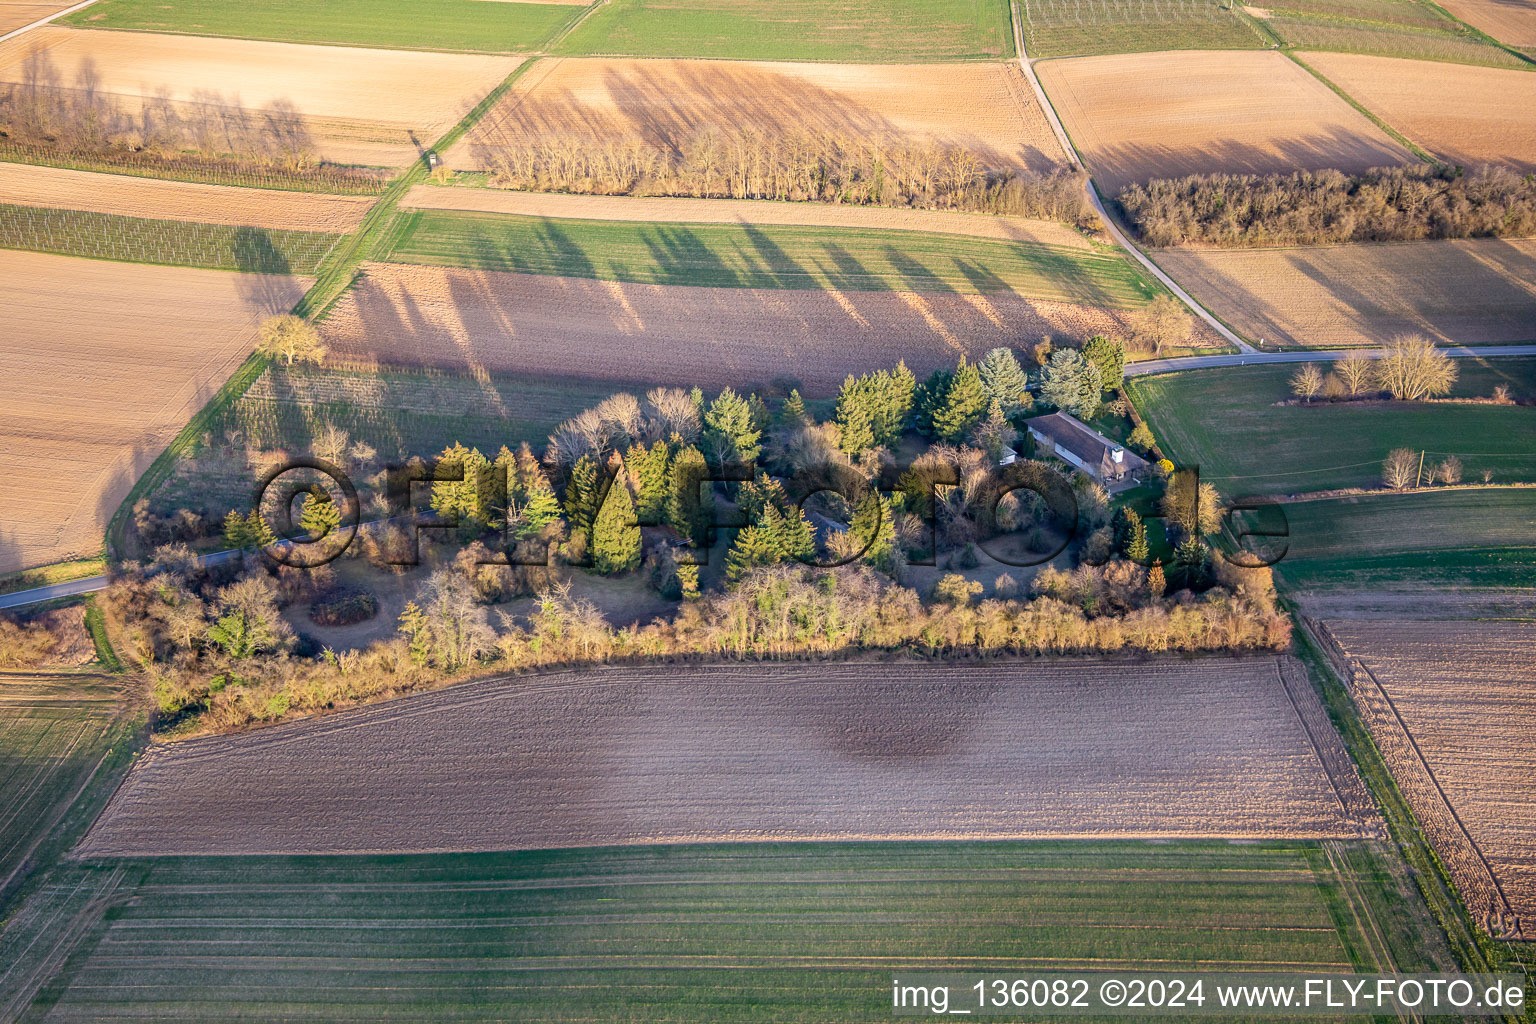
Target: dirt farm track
[(642, 755)]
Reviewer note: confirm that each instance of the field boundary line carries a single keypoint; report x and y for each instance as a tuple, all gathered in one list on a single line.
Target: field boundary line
[(1375, 942), (43, 21), (1397, 136), (1122, 239)]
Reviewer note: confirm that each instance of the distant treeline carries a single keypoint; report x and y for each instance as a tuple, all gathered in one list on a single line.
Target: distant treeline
[(812, 166), (1314, 207)]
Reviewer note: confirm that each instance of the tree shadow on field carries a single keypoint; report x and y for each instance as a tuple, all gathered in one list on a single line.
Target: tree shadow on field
[(264, 283), (901, 721)]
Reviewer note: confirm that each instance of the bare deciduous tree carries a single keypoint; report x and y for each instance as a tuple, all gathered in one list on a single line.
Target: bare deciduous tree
[(1356, 372), (1400, 469), (1414, 369), (1162, 323), (1307, 381)]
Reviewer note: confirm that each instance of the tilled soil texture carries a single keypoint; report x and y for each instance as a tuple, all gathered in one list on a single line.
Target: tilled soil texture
[(986, 108), (1453, 709), (474, 321), (125, 195), (673, 210), (1134, 117), (14, 15), (1476, 291), (372, 107), (735, 753), (1509, 21), (1462, 114), (104, 363)]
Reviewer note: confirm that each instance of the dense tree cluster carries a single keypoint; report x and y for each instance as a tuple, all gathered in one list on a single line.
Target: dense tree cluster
[(1319, 207), (742, 163)]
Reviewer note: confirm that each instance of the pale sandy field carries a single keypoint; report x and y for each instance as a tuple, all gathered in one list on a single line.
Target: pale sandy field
[(14, 15), (473, 321), (1476, 291), (103, 364), (669, 210), (361, 106), (1509, 21), (130, 196), (1164, 115), (1466, 694), (739, 753), (1465, 115), (986, 108)]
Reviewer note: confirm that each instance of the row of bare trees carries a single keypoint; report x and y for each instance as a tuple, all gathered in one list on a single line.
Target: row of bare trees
[(747, 163), (1411, 369), (1316, 207), (42, 111)]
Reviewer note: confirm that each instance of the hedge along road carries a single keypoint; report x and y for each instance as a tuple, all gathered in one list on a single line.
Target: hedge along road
[(1121, 239)]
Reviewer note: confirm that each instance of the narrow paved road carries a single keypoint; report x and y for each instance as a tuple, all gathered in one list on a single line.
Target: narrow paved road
[(13, 33), (89, 585), (1121, 239), (1152, 366)]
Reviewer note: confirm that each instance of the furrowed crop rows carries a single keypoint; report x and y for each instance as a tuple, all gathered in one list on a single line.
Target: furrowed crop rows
[(131, 239)]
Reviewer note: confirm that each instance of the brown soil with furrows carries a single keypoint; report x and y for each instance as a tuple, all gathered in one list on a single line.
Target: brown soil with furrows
[(361, 106), (1512, 22), (16, 15), (754, 752), (474, 321), (104, 363), (1453, 708), (1139, 116), (56, 188), (986, 108), (671, 210), (1478, 291), (1462, 114)]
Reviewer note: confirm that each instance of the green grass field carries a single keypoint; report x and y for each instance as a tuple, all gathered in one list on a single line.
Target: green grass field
[(468, 25), (796, 932), (735, 256), (867, 31), (1080, 28), (108, 236), (1225, 421), (1479, 536), (54, 730)]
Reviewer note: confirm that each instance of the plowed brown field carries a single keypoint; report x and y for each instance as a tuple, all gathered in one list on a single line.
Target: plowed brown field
[(474, 321), (15, 15), (646, 755), (1164, 115), (1463, 114), (1509, 21), (667, 210), (361, 106), (103, 364), (56, 188), (987, 108), (1480, 291), (1453, 708)]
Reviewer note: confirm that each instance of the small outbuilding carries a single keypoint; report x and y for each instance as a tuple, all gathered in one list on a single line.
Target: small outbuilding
[(1077, 444)]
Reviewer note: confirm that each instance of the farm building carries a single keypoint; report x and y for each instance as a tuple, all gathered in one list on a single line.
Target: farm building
[(1074, 442)]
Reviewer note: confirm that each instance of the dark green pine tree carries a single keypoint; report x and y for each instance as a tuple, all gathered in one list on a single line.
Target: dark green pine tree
[(1136, 547), (752, 549), (261, 532), (616, 538), (319, 514), (873, 525), (690, 504), (963, 404), (1108, 354), (648, 468), (237, 532), (929, 399), (792, 413), (581, 495), (855, 434)]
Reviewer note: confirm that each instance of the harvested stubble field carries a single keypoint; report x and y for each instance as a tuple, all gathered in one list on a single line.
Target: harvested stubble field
[(740, 932), (172, 243), (736, 753), (1488, 121), (741, 256), (1080, 28), (753, 212), (54, 730), (106, 362), (1166, 115), (1453, 709), (474, 25), (1512, 22), (877, 31), (1227, 422), (986, 108), (148, 198), (1472, 536), (1464, 291), (358, 106), (476, 322), (14, 15)]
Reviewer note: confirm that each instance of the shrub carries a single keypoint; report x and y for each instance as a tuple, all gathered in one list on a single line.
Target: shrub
[(344, 606)]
